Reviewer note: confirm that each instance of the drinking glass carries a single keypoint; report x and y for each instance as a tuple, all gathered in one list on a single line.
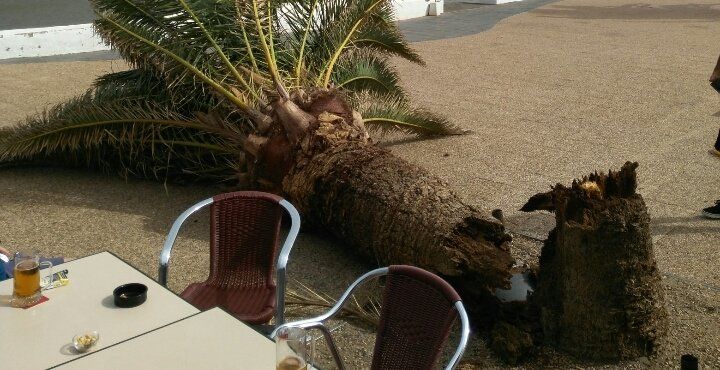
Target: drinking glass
[(294, 349), (27, 286)]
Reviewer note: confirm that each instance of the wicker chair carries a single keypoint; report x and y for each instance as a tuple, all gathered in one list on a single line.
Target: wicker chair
[(418, 310), (244, 239)]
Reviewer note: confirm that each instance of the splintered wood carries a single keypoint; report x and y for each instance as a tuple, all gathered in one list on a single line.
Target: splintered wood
[(599, 289)]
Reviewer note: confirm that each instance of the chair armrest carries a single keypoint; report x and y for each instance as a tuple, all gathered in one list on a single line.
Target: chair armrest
[(170, 240), (283, 259), (350, 290), (317, 322), (334, 310)]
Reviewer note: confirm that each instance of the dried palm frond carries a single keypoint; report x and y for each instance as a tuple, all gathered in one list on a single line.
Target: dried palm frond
[(366, 310)]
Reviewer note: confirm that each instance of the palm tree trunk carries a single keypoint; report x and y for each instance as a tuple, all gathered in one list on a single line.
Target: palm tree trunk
[(391, 211), (388, 210)]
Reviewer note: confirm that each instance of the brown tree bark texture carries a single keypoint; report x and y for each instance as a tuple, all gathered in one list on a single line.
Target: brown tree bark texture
[(394, 212), (599, 289)]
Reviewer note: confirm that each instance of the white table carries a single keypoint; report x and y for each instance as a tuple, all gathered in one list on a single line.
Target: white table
[(209, 340), (40, 336)]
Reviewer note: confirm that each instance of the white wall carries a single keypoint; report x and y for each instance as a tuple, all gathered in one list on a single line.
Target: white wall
[(407, 9), (39, 42)]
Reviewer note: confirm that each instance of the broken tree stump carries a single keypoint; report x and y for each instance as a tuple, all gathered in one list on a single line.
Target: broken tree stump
[(599, 290)]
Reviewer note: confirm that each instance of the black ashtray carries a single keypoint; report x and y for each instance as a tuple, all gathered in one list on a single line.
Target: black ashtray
[(130, 295)]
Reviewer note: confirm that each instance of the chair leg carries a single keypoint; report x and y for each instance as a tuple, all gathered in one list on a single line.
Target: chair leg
[(333, 347)]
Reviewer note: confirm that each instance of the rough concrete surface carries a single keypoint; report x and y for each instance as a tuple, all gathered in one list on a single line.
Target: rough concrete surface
[(551, 94)]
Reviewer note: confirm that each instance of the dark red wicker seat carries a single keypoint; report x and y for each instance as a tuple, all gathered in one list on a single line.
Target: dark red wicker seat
[(254, 306), (417, 313), (244, 241)]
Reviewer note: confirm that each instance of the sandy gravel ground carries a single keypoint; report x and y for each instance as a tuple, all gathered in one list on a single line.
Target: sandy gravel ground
[(555, 93)]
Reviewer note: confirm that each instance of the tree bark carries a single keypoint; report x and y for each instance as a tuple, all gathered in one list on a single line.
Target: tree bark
[(391, 211), (599, 289)]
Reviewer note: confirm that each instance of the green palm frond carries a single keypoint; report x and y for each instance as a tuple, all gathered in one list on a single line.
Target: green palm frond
[(387, 114), (297, 25), (337, 30), (364, 71), (131, 82), (168, 36), (131, 85), (381, 33), (316, 34), (230, 47), (386, 40), (133, 137), (142, 84)]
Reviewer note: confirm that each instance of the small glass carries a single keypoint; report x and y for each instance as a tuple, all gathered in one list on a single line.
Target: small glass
[(83, 342), (26, 274), (294, 349)]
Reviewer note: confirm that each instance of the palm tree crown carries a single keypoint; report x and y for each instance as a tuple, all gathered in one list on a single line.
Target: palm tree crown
[(203, 76)]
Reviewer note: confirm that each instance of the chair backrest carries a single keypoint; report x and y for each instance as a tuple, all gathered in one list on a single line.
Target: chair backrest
[(244, 238), (418, 310)]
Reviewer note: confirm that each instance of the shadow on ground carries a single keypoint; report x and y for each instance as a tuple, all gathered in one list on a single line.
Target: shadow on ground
[(701, 12), (132, 217), (683, 225), (158, 205)]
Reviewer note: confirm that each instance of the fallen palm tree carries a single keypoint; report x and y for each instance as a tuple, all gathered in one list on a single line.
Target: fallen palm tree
[(276, 96)]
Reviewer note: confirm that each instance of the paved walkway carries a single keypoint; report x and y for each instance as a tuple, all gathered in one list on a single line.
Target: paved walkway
[(43, 13), (462, 18), (568, 88), (582, 85)]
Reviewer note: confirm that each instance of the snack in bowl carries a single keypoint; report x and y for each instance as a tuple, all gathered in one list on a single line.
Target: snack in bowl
[(83, 342)]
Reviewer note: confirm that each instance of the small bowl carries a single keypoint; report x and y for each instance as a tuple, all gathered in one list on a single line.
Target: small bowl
[(130, 295), (83, 342)]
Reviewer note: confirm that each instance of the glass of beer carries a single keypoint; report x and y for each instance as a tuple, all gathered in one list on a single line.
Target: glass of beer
[(26, 287), (294, 349)]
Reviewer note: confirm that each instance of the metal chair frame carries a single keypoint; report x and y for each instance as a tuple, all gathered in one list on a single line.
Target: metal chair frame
[(282, 258), (318, 322)]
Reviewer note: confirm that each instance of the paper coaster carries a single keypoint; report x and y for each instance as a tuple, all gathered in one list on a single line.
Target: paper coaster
[(42, 299)]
